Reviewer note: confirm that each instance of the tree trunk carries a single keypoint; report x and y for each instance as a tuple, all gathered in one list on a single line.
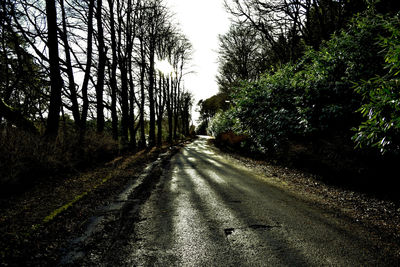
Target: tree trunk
[(130, 35), (175, 108), (113, 78), (152, 128), (89, 48), (124, 103), (142, 142), (161, 92), (132, 129), (100, 68), (70, 72), (56, 82), (168, 100)]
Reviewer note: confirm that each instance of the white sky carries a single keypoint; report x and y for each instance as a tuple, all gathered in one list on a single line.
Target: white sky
[(201, 21)]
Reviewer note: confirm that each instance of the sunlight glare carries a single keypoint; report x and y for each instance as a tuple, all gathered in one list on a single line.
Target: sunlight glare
[(164, 66)]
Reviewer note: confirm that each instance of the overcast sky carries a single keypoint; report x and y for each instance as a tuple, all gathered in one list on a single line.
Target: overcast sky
[(201, 21)]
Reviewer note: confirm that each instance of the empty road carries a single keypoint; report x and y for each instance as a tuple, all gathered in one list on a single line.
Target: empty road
[(207, 210)]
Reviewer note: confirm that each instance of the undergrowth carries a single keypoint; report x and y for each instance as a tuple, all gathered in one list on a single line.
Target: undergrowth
[(26, 158)]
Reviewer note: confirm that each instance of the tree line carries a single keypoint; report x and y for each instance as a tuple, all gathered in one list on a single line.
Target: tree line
[(94, 63), (305, 73)]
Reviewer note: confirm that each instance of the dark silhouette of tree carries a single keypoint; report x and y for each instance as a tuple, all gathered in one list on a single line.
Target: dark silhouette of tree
[(87, 68), (69, 70), (100, 60), (100, 68), (160, 104), (286, 25), (155, 20), (131, 36), (187, 102), (113, 71), (241, 57), (142, 141), (56, 82)]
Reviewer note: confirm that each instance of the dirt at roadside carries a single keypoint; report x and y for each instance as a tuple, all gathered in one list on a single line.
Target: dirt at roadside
[(381, 217), (36, 226)]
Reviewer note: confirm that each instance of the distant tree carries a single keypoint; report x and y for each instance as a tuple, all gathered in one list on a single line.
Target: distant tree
[(280, 22), (210, 106), (181, 56), (160, 104), (187, 102), (240, 57), (288, 25)]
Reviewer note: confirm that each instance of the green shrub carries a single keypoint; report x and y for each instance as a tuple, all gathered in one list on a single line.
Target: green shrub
[(381, 94), (224, 121), (313, 98), (326, 77), (266, 110)]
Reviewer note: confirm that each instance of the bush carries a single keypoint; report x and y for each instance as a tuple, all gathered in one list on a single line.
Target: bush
[(326, 78), (25, 157), (267, 110), (314, 98), (201, 129), (381, 108), (224, 121)]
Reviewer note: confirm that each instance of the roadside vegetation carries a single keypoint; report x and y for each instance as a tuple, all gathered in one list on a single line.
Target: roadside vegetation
[(90, 93), (38, 225), (82, 82), (324, 100)]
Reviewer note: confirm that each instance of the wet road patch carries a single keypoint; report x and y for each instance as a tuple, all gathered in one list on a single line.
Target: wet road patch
[(260, 226), (229, 231)]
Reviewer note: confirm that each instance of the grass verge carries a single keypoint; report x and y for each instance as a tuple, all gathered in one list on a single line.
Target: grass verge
[(35, 225)]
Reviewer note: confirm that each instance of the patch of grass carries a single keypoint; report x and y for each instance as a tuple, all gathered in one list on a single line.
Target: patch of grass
[(52, 215), (56, 212)]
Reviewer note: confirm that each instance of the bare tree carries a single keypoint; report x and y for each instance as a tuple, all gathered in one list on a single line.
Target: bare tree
[(113, 74), (241, 56), (156, 19), (286, 24), (87, 68), (100, 68), (182, 55), (55, 75), (69, 69), (129, 37)]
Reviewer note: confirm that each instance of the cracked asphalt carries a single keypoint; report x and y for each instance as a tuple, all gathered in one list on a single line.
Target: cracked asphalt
[(209, 211)]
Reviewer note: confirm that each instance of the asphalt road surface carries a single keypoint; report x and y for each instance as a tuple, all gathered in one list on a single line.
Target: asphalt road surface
[(208, 210)]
